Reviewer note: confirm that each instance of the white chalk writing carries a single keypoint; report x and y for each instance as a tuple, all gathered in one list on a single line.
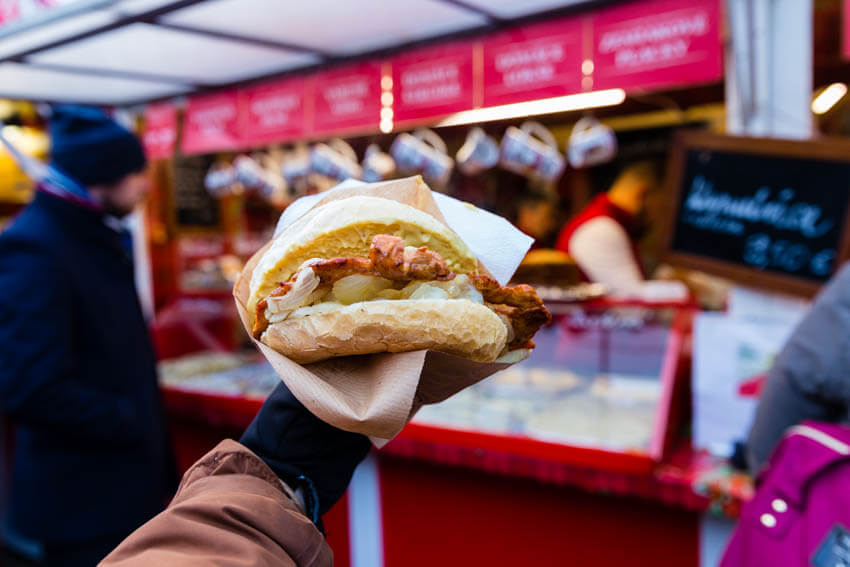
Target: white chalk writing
[(708, 208), (623, 319), (761, 251)]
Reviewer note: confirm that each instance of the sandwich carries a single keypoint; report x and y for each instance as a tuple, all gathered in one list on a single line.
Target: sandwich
[(364, 275)]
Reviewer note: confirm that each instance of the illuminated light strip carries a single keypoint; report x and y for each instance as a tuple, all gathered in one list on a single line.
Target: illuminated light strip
[(828, 97), (594, 99)]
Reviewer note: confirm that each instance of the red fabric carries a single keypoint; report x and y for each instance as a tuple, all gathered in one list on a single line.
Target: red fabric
[(673, 488), (445, 515), (600, 206)]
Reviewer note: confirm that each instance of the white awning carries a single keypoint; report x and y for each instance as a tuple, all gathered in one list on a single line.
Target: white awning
[(122, 52)]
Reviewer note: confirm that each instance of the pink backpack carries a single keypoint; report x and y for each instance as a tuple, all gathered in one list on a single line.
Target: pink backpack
[(800, 515)]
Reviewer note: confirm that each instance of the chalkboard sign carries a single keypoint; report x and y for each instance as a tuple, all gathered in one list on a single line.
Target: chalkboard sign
[(768, 213), (195, 207)]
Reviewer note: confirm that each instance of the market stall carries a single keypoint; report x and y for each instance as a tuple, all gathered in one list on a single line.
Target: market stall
[(588, 450), (586, 436)]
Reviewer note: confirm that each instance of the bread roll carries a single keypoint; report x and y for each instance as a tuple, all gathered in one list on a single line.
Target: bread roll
[(317, 292), (456, 326)]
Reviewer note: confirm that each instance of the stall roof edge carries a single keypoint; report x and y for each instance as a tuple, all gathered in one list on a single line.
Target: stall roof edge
[(53, 41)]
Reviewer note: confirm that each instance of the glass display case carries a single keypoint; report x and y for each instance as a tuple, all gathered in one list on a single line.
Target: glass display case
[(599, 387), (602, 389)]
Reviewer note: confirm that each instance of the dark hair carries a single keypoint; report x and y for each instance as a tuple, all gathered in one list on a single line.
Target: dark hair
[(644, 170)]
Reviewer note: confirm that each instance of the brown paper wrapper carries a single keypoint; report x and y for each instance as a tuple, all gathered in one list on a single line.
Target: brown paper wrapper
[(375, 395)]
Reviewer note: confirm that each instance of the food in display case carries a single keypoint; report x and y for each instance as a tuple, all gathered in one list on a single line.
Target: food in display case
[(219, 373), (601, 377), (618, 417), (366, 274), (204, 264), (574, 293)]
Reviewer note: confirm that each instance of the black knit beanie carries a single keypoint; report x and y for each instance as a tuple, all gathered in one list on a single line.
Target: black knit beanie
[(91, 147)]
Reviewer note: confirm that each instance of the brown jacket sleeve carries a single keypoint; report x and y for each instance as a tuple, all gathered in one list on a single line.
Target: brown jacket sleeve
[(230, 509)]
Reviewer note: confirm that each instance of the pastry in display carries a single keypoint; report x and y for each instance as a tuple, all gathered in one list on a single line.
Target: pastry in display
[(175, 370), (616, 411), (220, 374), (590, 420), (556, 381), (626, 389)]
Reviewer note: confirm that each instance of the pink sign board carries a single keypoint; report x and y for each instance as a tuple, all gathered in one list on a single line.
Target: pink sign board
[(211, 123), (433, 82), (657, 43), (160, 130), (9, 11), (347, 99), (531, 62), (27, 10), (272, 112), (845, 29)]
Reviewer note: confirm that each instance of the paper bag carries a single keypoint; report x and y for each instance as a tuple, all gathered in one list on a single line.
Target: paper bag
[(377, 395)]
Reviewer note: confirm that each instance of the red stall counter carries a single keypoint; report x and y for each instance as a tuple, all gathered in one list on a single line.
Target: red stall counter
[(497, 462), (603, 388)]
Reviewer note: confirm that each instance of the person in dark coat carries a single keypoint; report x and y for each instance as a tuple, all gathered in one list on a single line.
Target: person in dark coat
[(92, 459)]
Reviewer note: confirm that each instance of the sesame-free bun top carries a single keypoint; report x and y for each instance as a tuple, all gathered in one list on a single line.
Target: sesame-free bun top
[(345, 228)]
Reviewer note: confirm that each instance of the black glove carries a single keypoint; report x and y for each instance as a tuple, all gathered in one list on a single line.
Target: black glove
[(304, 451)]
